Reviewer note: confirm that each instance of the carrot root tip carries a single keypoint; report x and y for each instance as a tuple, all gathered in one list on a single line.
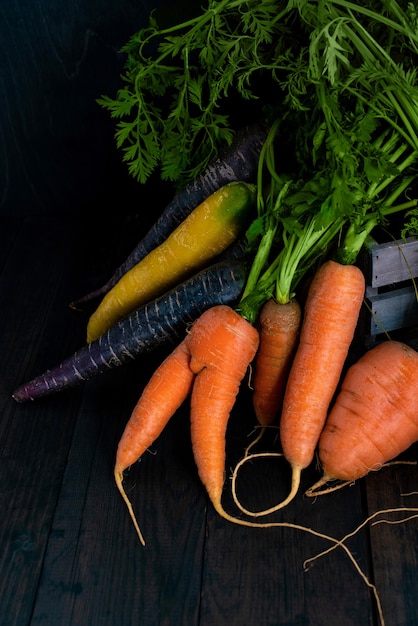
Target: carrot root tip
[(119, 484), (320, 488)]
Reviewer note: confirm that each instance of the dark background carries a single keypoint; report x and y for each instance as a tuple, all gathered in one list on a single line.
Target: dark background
[(57, 149)]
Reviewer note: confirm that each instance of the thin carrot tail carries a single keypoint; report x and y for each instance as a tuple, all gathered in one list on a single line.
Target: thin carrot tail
[(166, 390), (320, 489), (256, 440), (295, 482), (217, 504), (294, 488), (119, 484)]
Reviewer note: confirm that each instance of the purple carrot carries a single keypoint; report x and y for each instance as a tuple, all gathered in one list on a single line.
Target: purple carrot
[(238, 162), (160, 322)]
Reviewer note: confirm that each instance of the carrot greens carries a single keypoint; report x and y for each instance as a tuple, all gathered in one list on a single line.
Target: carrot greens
[(173, 109), (357, 154), (364, 62), (177, 77)]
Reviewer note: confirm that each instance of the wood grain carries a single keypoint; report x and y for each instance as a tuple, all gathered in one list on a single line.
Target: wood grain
[(70, 555)]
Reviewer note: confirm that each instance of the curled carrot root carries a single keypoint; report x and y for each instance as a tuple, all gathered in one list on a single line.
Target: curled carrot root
[(249, 457)]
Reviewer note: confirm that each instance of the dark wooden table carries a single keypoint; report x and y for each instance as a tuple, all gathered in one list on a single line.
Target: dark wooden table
[(69, 554)]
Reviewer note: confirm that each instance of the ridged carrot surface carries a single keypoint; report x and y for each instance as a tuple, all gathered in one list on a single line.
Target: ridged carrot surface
[(375, 415), (222, 345), (210, 363)]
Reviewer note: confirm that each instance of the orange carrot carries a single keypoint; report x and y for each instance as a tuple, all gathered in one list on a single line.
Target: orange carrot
[(222, 345), (210, 362), (279, 330), (374, 417), (330, 317), (169, 386)]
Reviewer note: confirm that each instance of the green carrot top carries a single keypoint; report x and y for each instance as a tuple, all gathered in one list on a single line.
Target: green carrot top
[(338, 81)]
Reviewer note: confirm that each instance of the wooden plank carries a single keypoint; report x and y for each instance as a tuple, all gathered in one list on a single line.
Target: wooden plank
[(95, 570), (390, 302), (64, 533), (392, 310), (394, 546), (390, 262), (256, 576), (33, 442)]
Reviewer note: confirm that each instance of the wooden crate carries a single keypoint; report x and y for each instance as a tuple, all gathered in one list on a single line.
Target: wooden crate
[(391, 304)]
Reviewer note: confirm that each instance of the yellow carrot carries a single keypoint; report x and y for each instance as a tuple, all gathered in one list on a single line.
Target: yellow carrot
[(214, 225)]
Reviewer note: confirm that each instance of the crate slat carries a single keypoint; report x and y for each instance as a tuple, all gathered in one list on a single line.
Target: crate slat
[(391, 303), (391, 262), (392, 310)]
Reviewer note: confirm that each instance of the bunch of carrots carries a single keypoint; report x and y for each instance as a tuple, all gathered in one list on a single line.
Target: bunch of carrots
[(311, 225), (375, 410), (354, 165), (297, 352)]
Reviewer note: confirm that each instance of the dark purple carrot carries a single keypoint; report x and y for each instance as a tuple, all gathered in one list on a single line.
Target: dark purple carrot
[(238, 162), (160, 322)]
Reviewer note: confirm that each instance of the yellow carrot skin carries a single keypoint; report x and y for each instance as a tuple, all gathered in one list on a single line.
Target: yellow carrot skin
[(211, 227)]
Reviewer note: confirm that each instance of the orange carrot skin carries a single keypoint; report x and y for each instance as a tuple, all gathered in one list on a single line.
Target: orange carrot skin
[(279, 326), (166, 390), (375, 415), (222, 345), (330, 317)]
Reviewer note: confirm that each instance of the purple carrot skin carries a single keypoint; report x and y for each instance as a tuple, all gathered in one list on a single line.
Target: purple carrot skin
[(161, 322), (238, 162)]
